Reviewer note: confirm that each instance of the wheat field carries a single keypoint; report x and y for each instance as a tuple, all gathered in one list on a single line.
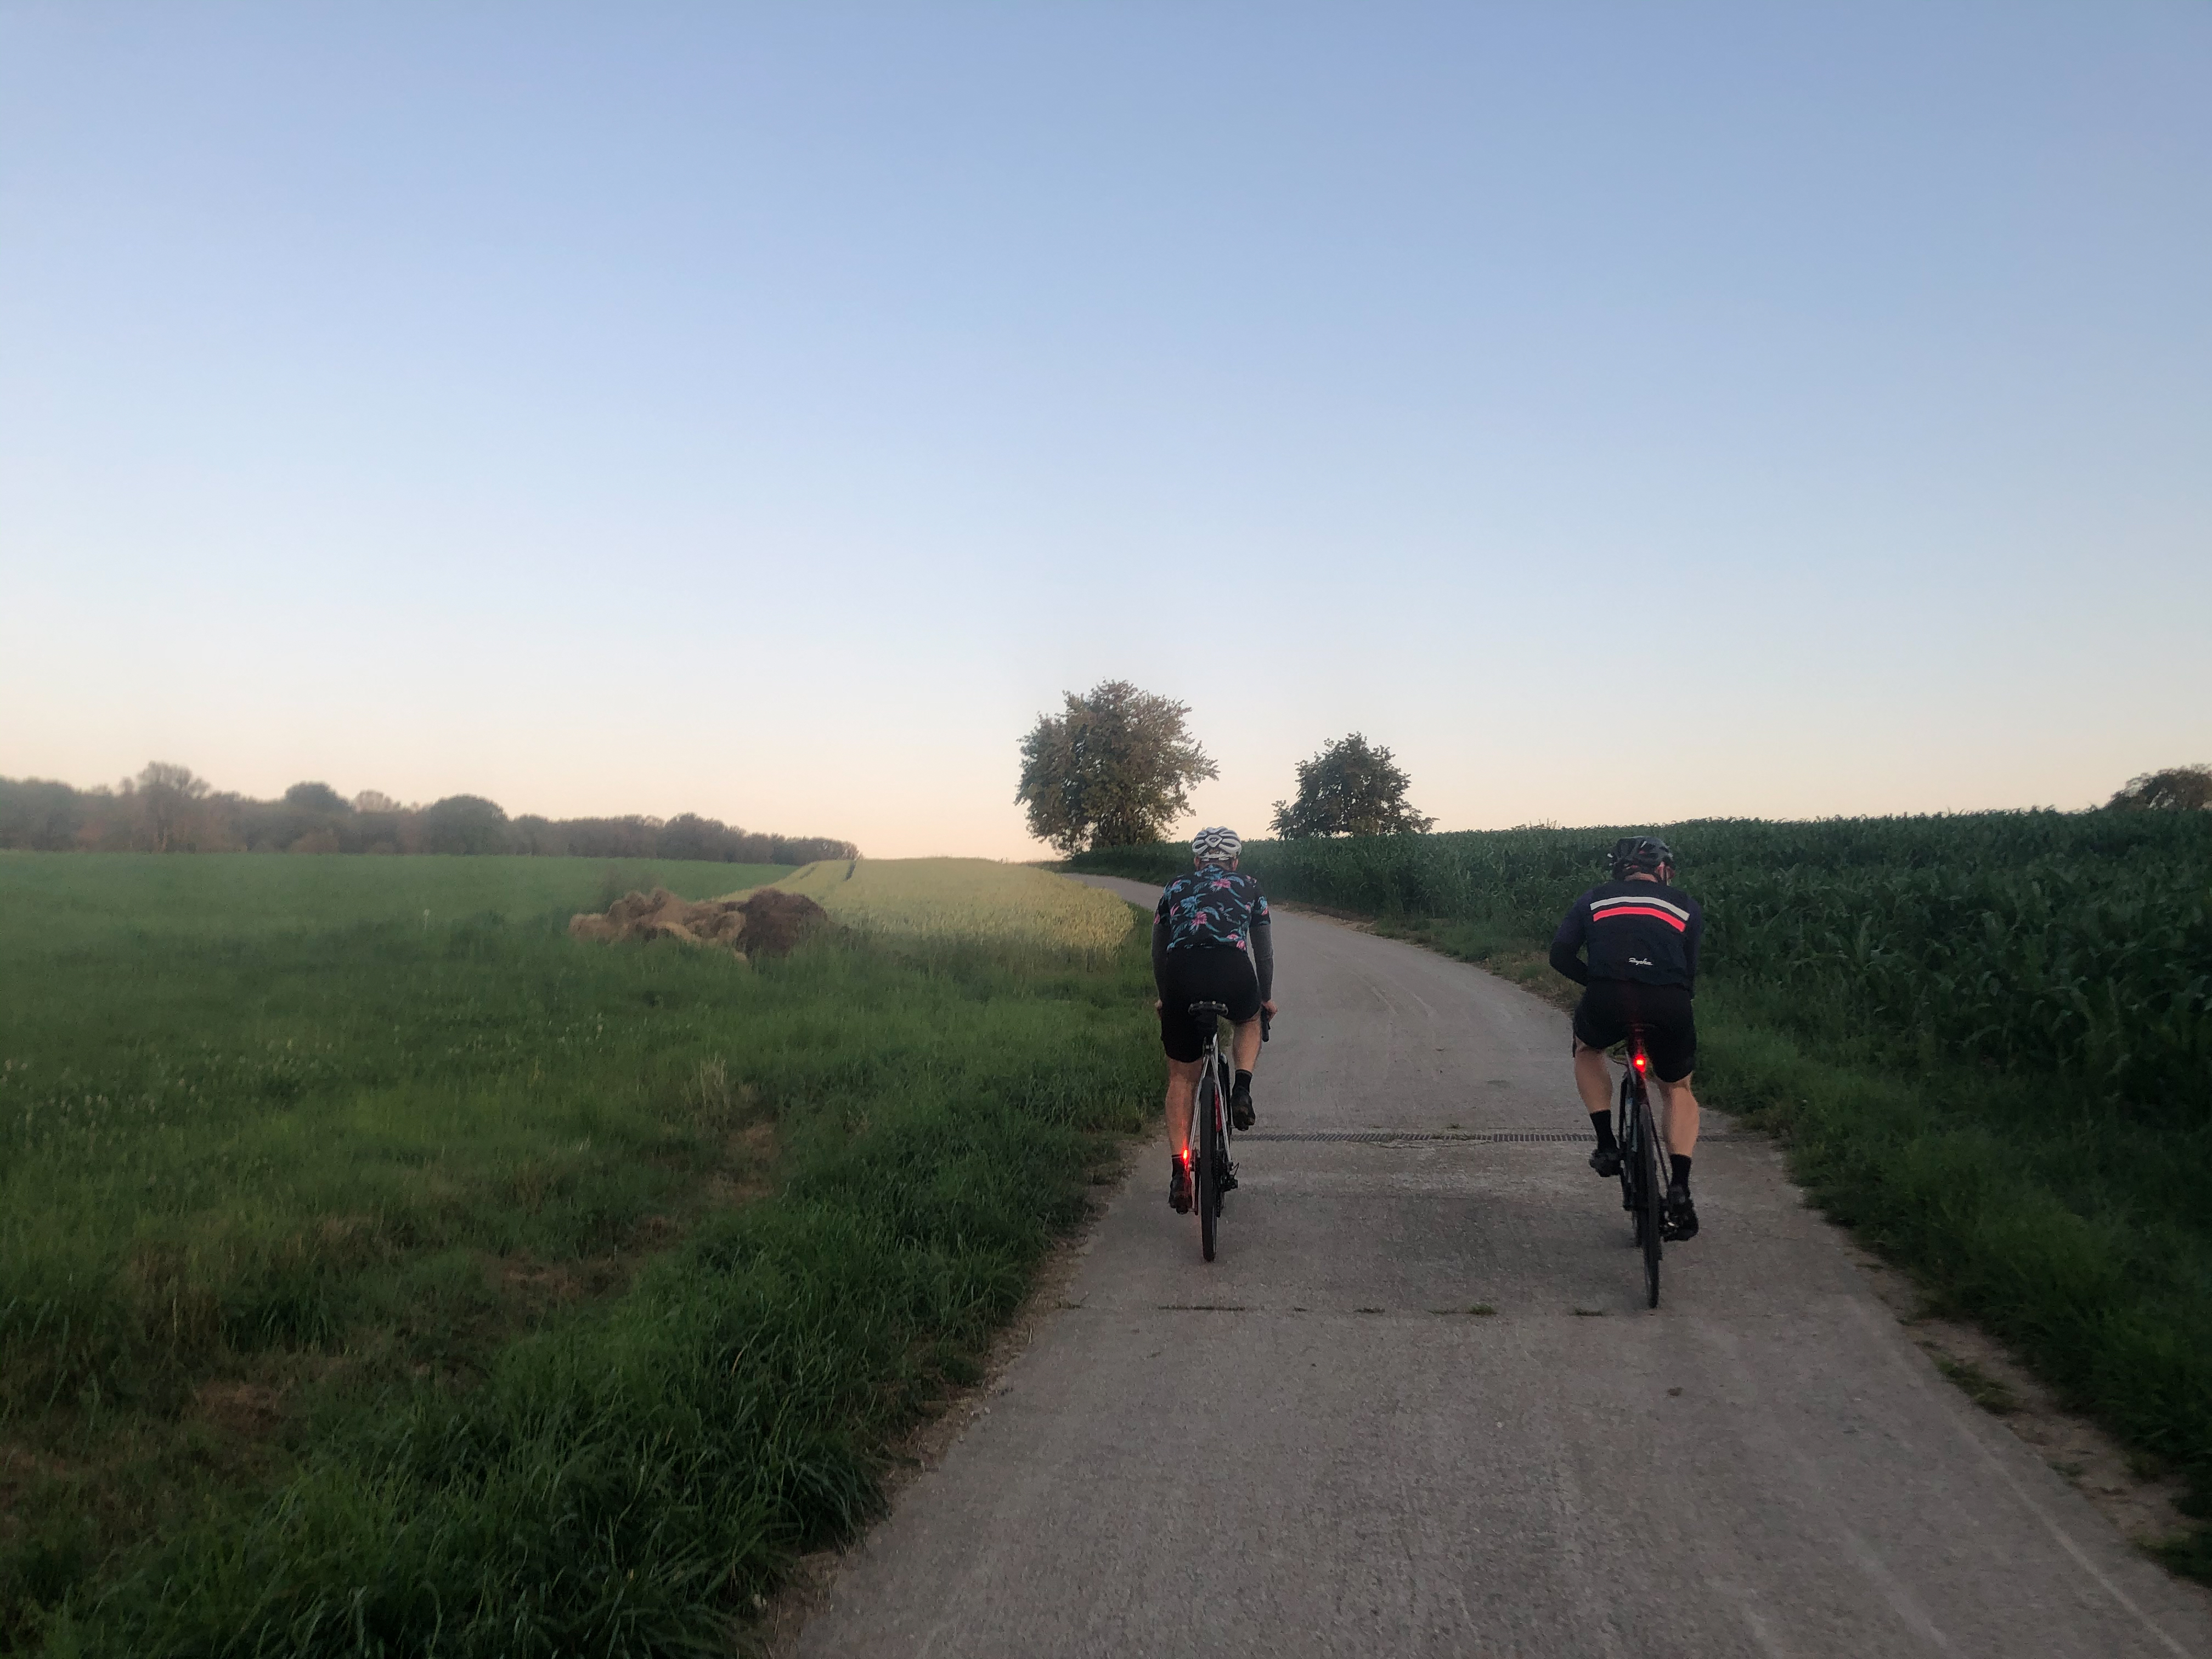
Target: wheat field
[(965, 898)]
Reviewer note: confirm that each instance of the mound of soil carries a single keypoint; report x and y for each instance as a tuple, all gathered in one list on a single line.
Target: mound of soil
[(766, 923), (776, 920)]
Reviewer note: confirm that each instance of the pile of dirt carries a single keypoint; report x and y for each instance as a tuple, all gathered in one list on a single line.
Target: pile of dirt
[(766, 923), (776, 920)]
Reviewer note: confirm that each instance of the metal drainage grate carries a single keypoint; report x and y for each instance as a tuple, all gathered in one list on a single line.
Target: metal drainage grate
[(1396, 1137)]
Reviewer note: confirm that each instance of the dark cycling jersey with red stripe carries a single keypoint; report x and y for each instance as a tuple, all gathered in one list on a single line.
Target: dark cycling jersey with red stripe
[(1642, 931)]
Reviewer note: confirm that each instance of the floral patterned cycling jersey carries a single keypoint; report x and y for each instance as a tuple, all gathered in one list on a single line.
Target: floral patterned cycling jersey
[(1212, 906)]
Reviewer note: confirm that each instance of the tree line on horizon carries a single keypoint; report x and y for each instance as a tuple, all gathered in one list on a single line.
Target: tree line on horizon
[(169, 809), (1115, 767)]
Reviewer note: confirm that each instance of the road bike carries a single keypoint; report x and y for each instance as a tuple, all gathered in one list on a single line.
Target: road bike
[(1207, 1146), (1642, 1194)]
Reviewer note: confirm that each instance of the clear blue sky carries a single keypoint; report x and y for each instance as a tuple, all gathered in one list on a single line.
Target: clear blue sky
[(1618, 409)]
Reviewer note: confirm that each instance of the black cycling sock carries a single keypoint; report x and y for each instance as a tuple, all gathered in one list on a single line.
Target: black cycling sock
[(1681, 1170), (1603, 1123), (1244, 1079)]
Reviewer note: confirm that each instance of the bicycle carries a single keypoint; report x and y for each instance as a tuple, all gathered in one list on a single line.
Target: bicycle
[(1642, 1194), (1207, 1146)]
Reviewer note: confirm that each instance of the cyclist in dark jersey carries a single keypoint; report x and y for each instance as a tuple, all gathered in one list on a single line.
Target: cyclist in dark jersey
[(1212, 942), (1641, 934)]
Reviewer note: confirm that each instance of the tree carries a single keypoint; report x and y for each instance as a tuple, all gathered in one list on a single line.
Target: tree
[(38, 814), (1350, 789), (463, 823), (2184, 788), (1113, 768), (688, 836), (169, 797), (316, 798)]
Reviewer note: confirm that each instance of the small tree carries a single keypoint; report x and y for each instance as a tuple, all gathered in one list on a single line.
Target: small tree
[(2183, 788), (1350, 789), (1113, 768)]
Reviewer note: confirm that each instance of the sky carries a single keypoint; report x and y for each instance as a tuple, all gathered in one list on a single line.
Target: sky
[(1626, 413)]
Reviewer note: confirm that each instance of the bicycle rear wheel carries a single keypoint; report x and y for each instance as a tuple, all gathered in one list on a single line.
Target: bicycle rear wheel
[(1205, 1165), (1651, 1199)]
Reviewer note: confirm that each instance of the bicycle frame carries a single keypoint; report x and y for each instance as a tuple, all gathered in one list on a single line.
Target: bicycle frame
[(1643, 1145)]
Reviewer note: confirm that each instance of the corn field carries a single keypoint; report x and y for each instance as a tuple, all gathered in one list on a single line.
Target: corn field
[(2078, 944)]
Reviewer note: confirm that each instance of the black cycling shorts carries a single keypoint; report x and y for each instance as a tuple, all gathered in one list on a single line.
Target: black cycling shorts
[(1204, 973), (1610, 1006)]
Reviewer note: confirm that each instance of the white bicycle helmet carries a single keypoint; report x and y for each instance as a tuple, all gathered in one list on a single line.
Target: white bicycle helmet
[(1215, 845)]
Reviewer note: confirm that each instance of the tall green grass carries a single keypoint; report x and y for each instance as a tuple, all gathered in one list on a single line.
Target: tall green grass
[(1986, 1038), (575, 1287)]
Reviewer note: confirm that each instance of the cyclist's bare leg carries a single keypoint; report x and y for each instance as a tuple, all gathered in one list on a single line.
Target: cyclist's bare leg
[(1248, 1045), (1182, 1091), (1680, 1125), (1592, 1077)]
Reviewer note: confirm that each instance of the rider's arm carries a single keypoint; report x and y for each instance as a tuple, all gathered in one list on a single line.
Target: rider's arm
[(1159, 952), (1263, 957), (1567, 945), (1692, 937)]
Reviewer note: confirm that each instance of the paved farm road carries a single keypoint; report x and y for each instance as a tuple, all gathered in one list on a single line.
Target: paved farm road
[(1309, 1448)]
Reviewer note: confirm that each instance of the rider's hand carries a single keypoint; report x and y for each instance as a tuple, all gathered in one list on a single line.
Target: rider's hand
[(1269, 1009), (1157, 1004)]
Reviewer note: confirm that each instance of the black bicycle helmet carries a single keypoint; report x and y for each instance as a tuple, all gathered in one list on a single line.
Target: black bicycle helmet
[(1647, 854)]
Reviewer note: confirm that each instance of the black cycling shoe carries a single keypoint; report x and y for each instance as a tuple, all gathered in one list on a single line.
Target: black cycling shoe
[(1179, 1186), (1681, 1215), (1241, 1114), (1606, 1160)]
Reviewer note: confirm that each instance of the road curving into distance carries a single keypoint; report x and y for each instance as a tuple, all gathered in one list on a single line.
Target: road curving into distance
[(1311, 1447)]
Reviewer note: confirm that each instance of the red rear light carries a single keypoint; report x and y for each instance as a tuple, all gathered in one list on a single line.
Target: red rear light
[(1642, 1064)]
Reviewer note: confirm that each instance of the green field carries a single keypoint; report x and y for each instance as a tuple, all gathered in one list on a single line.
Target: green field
[(383, 1271), (1985, 1038)]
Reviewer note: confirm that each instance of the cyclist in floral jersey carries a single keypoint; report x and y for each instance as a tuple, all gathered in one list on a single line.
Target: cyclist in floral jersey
[(1212, 942)]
